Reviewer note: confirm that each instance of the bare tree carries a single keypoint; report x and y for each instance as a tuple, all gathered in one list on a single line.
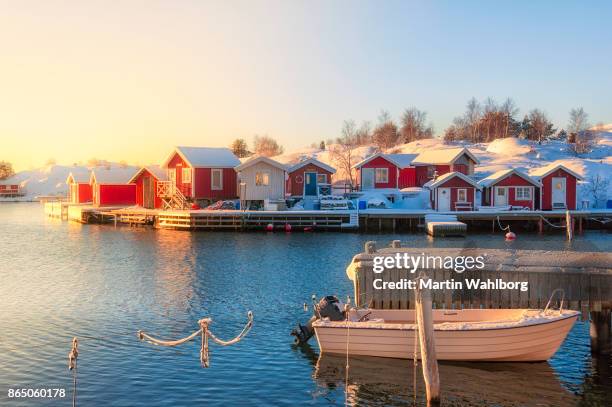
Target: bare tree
[(343, 150), (472, 117), (414, 125), (580, 139), (6, 170), (510, 111), (385, 134), (598, 188), (540, 127), (266, 146), (240, 148), (364, 133)]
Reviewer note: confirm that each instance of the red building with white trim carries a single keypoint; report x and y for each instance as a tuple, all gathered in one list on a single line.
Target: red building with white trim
[(442, 161), (559, 187), (452, 191), (203, 173), (10, 190), (510, 187), (111, 187), (146, 180), (381, 171), (306, 177), (79, 188)]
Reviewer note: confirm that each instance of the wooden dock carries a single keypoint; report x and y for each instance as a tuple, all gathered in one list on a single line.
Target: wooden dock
[(444, 225)]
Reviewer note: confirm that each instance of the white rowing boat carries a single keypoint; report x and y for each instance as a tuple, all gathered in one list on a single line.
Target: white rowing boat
[(509, 335)]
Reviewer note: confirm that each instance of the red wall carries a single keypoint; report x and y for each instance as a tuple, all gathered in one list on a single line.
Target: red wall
[(407, 178), (295, 183), (202, 179), (157, 202), (454, 184), (443, 169), (421, 175), (111, 194), (85, 194), (380, 162), (570, 190), (178, 163)]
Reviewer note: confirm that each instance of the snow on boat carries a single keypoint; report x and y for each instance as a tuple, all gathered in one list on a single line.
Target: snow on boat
[(508, 335)]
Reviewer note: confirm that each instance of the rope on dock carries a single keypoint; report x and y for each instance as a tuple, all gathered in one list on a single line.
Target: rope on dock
[(72, 365), (204, 333), (504, 229), (552, 224)]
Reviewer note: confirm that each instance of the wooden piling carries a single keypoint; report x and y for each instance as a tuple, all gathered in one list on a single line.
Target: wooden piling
[(580, 225), (429, 361), (601, 332), (569, 226), (540, 226)]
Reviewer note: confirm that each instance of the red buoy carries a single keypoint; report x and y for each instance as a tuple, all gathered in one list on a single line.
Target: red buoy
[(287, 227), (195, 206), (308, 229), (269, 227), (510, 236)]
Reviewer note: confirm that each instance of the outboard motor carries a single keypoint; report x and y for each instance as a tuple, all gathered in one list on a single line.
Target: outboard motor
[(328, 307)]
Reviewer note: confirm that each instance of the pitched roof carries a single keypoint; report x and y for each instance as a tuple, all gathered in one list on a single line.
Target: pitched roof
[(79, 176), (312, 161), (544, 171), (500, 175), (116, 175), (219, 157), (443, 156), (399, 160), (155, 170), (449, 175), (255, 160)]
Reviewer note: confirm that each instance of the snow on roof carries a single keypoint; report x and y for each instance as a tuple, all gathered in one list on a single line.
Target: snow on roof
[(443, 156), (544, 171), (219, 157), (399, 160), (79, 176), (120, 175), (500, 175), (155, 170), (442, 179), (312, 161), (254, 160)]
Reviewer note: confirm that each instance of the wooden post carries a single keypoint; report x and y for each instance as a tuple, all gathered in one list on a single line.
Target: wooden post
[(540, 226), (601, 335), (493, 224), (569, 225), (427, 344), (580, 225)]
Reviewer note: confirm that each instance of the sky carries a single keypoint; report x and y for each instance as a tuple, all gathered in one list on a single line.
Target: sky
[(126, 81)]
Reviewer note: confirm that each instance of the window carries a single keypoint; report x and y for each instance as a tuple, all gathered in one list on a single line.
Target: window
[(462, 195), (382, 175), (186, 176), (262, 179), (522, 194), (321, 178), (501, 191), (430, 171), (216, 179), (172, 174)]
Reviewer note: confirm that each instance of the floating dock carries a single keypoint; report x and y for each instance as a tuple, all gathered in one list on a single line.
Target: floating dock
[(444, 225)]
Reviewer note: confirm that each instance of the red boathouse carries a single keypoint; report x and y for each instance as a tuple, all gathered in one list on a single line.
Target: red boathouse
[(79, 188), (203, 173), (452, 191), (510, 187), (381, 171), (442, 161), (111, 187), (307, 177), (146, 180), (558, 187)]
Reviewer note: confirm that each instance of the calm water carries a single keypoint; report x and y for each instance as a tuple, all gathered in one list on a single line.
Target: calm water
[(102, 284)]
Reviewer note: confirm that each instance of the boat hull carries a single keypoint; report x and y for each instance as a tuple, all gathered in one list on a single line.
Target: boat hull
[(531, 343)]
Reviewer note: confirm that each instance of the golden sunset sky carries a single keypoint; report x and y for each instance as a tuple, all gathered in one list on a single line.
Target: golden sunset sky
[(128, 80)]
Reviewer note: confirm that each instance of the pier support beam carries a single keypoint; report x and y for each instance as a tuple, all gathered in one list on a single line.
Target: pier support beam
[(427, 344), (569, 225), (541, 226), (601, 332)]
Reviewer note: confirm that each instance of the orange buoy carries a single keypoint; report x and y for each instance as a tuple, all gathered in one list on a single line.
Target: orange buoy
[(510, 236), (287, 227), (269, 227)]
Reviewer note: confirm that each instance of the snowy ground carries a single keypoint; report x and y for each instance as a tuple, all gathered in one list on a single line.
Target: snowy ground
[(495, 156)]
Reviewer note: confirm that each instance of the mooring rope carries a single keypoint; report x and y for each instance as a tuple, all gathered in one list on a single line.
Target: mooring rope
[(507, 228), (72, 365), (552, 224), (204, 333)]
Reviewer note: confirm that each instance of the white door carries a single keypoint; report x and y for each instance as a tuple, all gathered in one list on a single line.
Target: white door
[(501, 196), (444, 199), (368, 176), (558, 192)]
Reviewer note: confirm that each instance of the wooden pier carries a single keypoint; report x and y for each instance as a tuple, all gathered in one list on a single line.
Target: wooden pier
[(585, 278)]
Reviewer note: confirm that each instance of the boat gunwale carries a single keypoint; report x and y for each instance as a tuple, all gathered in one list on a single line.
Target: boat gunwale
[(338, 324)]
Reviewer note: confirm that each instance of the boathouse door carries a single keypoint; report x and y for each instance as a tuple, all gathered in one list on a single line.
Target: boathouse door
[(501, 196), (310, 183), (558, 192), (444, 199), (148, 193), (367, 178)]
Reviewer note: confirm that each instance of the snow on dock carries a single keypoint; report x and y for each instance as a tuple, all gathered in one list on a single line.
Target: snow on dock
[(444, 225)]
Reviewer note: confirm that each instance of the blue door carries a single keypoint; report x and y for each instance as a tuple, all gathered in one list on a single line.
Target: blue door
[(310, 183)]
